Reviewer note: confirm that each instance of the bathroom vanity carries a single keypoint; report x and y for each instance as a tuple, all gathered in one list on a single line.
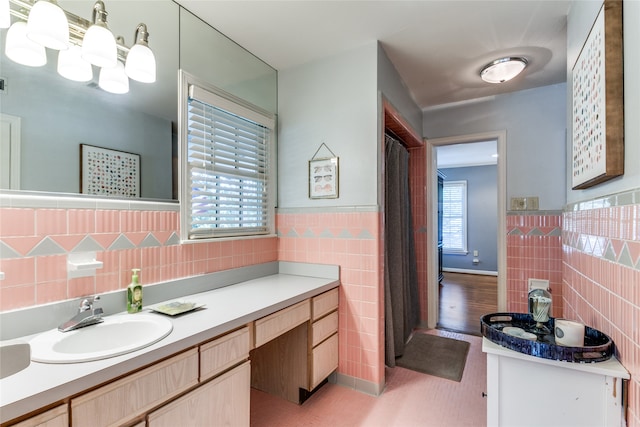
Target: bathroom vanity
[(526, 390), (277, 333)]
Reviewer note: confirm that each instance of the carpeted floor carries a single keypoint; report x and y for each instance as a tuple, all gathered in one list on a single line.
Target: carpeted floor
[(434, 355)]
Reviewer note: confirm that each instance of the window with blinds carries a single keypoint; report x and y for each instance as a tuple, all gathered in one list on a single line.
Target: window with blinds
[(227, 169), (454, 217)]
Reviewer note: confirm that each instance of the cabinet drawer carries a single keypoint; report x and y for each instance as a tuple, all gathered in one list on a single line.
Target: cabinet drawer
[(223, 401), (280, 322), (325, 360), (125, 399), (325, 303), (324, 327), (56, 417), (223, 353)]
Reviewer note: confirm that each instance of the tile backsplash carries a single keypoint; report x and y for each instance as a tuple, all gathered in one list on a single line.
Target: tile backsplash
[(35, 243), (534, 250), (601, 277)]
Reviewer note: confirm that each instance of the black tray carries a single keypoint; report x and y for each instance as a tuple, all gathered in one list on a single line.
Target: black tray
[(598, 347)]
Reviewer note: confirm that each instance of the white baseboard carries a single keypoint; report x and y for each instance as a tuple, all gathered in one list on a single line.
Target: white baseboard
[(467, 271)]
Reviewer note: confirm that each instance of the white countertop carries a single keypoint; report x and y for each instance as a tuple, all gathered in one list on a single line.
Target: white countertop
[(225, 309), (611, 367)]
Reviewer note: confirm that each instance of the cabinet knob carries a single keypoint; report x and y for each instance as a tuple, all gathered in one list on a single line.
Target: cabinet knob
[(484, 394)]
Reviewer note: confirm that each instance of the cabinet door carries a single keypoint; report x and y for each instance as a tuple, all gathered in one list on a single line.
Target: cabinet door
[(570, 397), (325, 303), (223, 401), (223, 353), (325, 360), (281, 321), (123, 400), (324, 328), (56, 417)]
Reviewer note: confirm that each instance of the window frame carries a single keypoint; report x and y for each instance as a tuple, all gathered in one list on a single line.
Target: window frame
[(464, 249), (243, 109)]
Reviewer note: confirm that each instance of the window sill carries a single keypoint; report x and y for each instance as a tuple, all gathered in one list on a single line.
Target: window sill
[(450, 252)]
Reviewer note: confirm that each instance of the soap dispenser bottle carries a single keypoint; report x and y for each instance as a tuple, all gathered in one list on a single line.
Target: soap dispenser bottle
[(134, 293)]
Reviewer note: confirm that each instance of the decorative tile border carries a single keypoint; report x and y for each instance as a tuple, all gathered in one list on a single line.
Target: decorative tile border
[(535, 231), (606, 228), (49, 246)]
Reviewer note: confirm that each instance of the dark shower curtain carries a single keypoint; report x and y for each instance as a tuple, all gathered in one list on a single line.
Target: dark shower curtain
[(402, 309)]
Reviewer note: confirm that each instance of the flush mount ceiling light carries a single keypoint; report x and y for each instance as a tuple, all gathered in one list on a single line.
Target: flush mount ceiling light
[(503, 69)]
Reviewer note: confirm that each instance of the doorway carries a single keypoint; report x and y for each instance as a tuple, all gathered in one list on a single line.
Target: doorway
[(433, 285), (468, 243)]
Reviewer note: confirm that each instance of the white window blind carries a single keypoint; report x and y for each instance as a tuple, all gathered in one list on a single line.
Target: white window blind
[(454, 216), (227, 167)]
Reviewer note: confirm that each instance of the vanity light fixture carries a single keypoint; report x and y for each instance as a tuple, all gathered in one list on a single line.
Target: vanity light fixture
[(141, 63), (47, 25), (71, 65), (114, 79), (81, 43), (503, 69), (19, 48), (99, 45)]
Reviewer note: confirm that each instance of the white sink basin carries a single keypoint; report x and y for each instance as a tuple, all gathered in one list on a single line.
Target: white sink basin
[(14, 357), (115, 336)]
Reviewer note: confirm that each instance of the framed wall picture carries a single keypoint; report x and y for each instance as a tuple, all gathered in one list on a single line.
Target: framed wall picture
[(598, 102), (323, 178), (107, 172)]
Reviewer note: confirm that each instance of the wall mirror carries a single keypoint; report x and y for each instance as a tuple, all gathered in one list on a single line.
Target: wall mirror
[(58, 115)]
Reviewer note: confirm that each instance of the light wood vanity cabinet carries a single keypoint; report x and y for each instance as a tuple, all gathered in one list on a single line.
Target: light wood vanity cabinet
[(284, 353), (56, 417), (324, 303), (276, 324), (122, 401), (224, 352), (324, 337), (223, 401), (299, 348)]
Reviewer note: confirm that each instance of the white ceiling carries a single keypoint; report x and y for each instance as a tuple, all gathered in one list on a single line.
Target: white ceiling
[(438, 47)]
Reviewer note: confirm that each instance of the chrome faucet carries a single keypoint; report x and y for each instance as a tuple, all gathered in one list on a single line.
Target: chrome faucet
[(87, 315)]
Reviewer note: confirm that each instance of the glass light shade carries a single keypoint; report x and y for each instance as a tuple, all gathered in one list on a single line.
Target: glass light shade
[(22, 50), (114, 79), (71, 65), (99, 47), (502, 70), (5, 17), (47, 25), (141, 64)]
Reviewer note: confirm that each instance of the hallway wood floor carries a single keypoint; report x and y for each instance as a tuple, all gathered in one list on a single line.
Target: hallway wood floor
[(409, 399), (464, 298)]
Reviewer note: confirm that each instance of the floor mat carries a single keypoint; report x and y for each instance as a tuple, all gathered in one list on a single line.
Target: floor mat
[(434, 355)]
